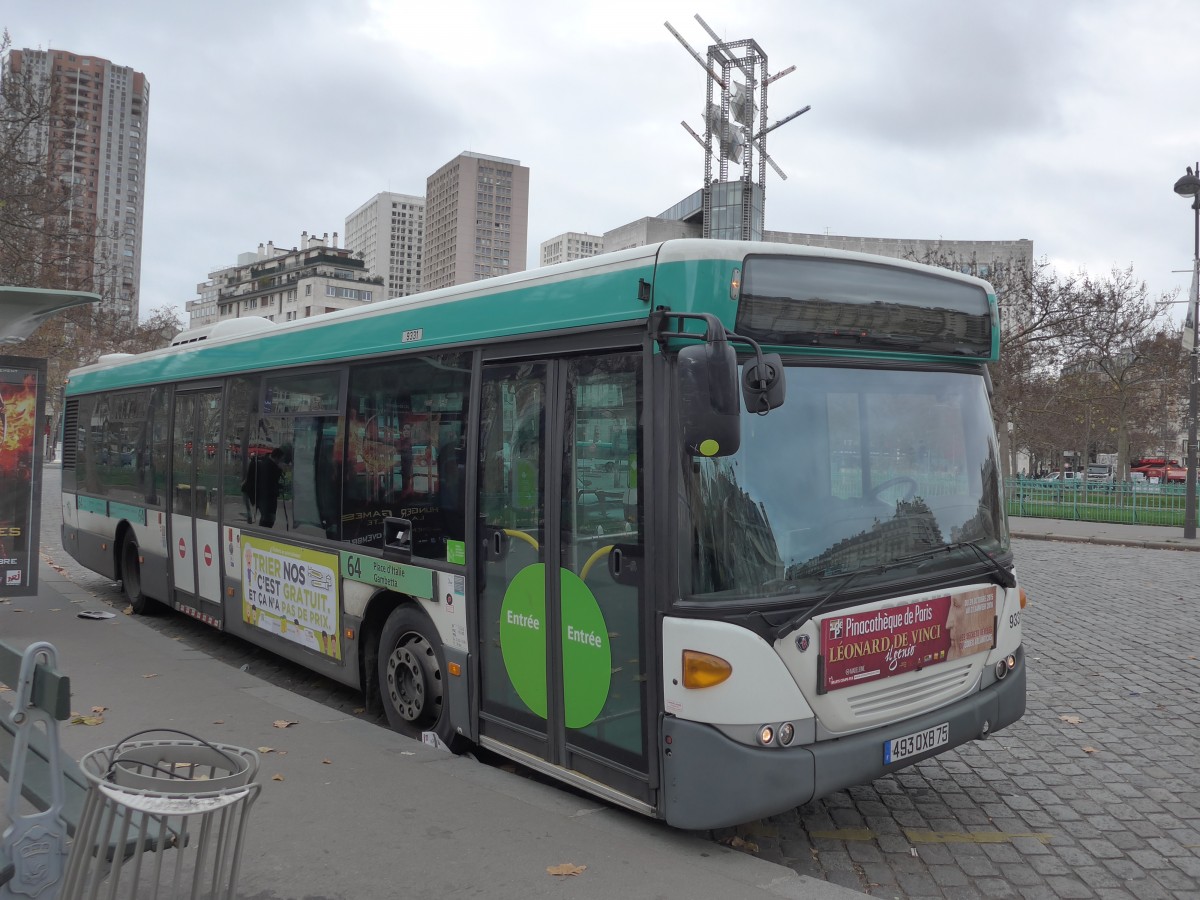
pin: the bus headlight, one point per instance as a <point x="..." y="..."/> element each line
<point x="787" y="731"/>
<point x="1005" y="666"/>
<point x="766" y="734"/>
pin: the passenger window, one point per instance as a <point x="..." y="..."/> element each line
<point x="403" y="457"/>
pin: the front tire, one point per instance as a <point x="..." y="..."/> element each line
<point x="131" y="578"/>
<point x="412" y="677"/>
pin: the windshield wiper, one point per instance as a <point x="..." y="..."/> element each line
<point x="798" y="622"/>
<point x="1005" y="577"/>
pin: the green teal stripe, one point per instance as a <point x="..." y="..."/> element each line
<point x="609" y="298"/>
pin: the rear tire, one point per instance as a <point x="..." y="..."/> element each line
<point x="131" y="578"/>
<point x="412" y="677"/>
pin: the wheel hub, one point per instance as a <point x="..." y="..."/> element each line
<point x="411" y="676"/>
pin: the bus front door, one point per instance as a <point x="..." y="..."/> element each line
<point x="562" y="616"/>
<point x="194" y="540"/>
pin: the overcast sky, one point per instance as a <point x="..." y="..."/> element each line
<point x="1066" y="122"/>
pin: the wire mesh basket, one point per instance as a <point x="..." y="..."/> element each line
<point x="162" y="819"/>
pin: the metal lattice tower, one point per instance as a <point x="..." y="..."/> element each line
<point x="735" y="134"/>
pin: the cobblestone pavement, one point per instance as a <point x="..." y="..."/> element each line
<point x="1094" y="794"/>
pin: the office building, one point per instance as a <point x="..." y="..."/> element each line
<point x="568" y="246"/>
<point x="96" y="142"/>
<point x="476" y="220"/>
<point x="388" y="233"/>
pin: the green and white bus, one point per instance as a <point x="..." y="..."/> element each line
<point x="706" y="528"/>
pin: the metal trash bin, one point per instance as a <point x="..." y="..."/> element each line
<point x="162" y="819"/>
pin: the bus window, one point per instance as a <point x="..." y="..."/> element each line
<point x="405" y="437"/>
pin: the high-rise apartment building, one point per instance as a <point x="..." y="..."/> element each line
<point x="568" y="246"/>
<point x="96" y="142"/>
<point x="389" y="233"/>
<point x="476" y="220"/>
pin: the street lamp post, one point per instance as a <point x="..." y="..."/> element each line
<point x="1189" y="186"/>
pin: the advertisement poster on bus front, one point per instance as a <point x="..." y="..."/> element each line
<point x="863" y="647"/>
<point x="22" y="408"/>
<point x="292" y="592"/>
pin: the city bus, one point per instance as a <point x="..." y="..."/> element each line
<point x="708" y="529"/>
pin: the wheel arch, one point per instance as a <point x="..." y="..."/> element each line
<point x="379" y="607"/>
<point x="124" y="532"/>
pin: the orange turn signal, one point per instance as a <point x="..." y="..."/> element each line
<point x="455" y="668"/>
<point x="1024" y="599"/>
<point x="702" y="670"/>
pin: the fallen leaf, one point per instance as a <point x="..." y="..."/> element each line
<point x="277" y="777"/>
<point x="266" y="749"/>
<point x="98" y="710"/>
<point x="1090" y="750"/>
<point x="151" y="675"/>
<point x="566" y="869"/>
<point x="327" y="762"/>
<point x="359" y="710"/>
<point x="128" y="610"/>
<point x="281" y="753"/>
<point x="284" y="723"/>
<point x="739" y="843"/>
<point x="1072" y="720"/>
<point x="87" y="720"/>
<point x="219" y="722"/>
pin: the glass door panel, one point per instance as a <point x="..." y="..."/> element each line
<point x="604" y="673"/>
<point x="513" y="617"/>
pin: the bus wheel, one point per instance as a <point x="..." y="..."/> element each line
<point x="131" y="577"/>
<point x="412" y="676"/>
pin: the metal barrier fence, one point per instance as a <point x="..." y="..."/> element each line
<point x="1130" y="503"/>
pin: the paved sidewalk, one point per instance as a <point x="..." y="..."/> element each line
<point x="352" y="810"/>
<point x="1159" y="537"/>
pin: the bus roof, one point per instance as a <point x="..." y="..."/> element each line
<point x="600" y="290"/>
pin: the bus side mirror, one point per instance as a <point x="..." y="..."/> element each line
<point x="763" y="390"/>
<point x="710" y="412"/>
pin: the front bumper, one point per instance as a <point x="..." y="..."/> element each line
<point x="710" y="781"/>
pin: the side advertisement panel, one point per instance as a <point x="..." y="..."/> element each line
<point x="22" y="410"/>
<point x="292" y="592"/>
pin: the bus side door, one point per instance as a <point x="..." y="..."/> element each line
<point x="194" y="539"/>
<point x="562" y="615"/>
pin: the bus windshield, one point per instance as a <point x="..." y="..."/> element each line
<point x="859" y="469"/>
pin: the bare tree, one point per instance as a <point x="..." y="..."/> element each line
<point x="1121" y="345"/>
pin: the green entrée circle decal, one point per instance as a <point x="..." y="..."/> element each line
<point x="587" y="655"/>
<point x="586" y="652"/>
<point x="709" y="447"/>
<point x="523" y="636"/>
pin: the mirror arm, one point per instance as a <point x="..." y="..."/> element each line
<point x="659" y="323"/>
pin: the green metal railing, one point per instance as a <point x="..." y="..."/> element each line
<point x="1120" y="502"/>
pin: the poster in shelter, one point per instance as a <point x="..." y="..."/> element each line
<point x="22" y="418"/>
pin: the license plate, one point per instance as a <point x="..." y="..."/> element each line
<point x="911" y="744"/>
